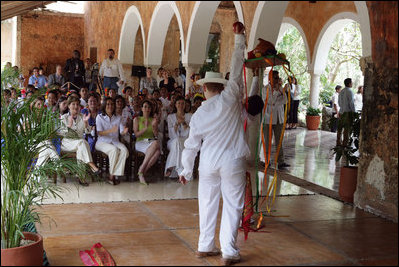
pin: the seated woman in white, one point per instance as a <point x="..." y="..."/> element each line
<point x="145" y="129"/>
<point x="178" y="127"/>
<point x="78" y="123"/>
<point x="109" y="126"/>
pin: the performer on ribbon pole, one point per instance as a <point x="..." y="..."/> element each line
<point x="217" y="129"/>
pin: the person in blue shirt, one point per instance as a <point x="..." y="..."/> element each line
<point x="37" y="80"/>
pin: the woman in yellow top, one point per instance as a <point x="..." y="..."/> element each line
<point x="145" y="129"/>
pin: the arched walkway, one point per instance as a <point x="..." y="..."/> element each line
<point x="267" y="21"/>
<point x="287" y="23"/>
<point x="326" y="37"/>
<point x="322" y="48"/>
<point x="131" y="24"/>
<point x="198" y="29"/>
<point x="160" y="20"/>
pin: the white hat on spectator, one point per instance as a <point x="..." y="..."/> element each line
<point x="212" y="77"/>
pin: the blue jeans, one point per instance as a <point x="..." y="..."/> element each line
<point x="110" y="82"/>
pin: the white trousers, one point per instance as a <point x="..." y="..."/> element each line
<point x="175" y="147"/>
<point x="228" y="179"/>
<point x="47" y="151"/>
<point x="117" y="154"/>
<point x="80" y="146"/>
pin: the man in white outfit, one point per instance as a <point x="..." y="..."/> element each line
<point x="217" y="129"/>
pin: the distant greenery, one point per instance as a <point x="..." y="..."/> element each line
<point x="213" y="54"/>
<point x="293" y="47"/>
<point x="342" y="62"/>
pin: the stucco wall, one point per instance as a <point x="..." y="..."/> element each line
<point x="49" y="39"/>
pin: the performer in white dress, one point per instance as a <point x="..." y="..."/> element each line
<point x="217" y="129"/>
<point x="178" y="128"/>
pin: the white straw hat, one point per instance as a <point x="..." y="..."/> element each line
<point x="212" y="77"/>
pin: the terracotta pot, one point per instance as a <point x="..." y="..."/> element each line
<point x="347" y="183"/>
<point x="30" y="255"/>
<point x="312" y="122"/>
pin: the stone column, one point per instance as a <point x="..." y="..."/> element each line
<point x="314" y="89"/>
<point x="190" y="69"/>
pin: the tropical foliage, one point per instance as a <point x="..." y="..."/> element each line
<point x="313" y="111"/>
<point x="9" y="78"/>
<point x="24" y="133"/>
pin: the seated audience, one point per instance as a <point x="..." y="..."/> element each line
<point x="57" y="77"/>
<point x="38" y="81"/>
<point x="92" y="109"/>
<point x="128" y="94"/>
<point x="62" y="105"/>
<point x="109" y="127"/>
<point x="84" y="96"/>
<point x="167" y="81"/>
<point x="178" y="128"/>
<point x="145" y="129"/>
<point x="148" y="82"/>
<point x="47" y="150"/>
<point x="77" y="122"/>
<point x="52" y="101"/>
<point x="112" y="93"/>
<point x="197" y="102"/>
<point x="187" y="107"/>
<point x="195" y="88"/>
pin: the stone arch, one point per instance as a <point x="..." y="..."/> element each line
<point x="364" y="21"/>
<point x="326" y="37"/>
<point x="268" y="13"/>
<point x="198" y="29"/>
<point x="288" y="21"/>
<point x="160" y="20"/>
<point x="132" y="22"/>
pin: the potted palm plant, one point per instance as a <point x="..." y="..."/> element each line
<point x="23" y="185"/>
<point x="312" y="118"/>
<point x="349" y="121"/>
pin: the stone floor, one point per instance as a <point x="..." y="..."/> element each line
<point x="304" y="230"/>
<point x="158" y="224"/>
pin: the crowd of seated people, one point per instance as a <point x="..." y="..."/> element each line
<point x="158" y="116"/>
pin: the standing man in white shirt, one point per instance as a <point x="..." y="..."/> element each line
<point x="217" y="129"/>
<point x="111" y="71"/>
<point x="347" y="106"/>
<point x="335" y="108"/>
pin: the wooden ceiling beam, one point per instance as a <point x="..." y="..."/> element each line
<point x="9" y="10"/>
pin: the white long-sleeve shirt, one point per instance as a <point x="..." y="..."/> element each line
<point x="345" y="101"/>
<point x="275" y="103"/>
<point x="218" y="124"/>
<point x="112" y="68"/>
<point x="181" y="130"/>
